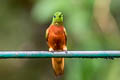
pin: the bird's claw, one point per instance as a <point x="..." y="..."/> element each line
<point x="66" y="51"/>
<point x="51" y="50"/>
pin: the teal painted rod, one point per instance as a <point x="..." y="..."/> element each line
<point x="68" y="54"/>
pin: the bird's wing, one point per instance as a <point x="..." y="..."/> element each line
<point x="65" y="34"/>
<point x="47" y="33"/>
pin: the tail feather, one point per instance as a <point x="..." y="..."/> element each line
<point x="58" y="66"/>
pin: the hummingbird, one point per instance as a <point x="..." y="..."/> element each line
<point x="57" y="41"/>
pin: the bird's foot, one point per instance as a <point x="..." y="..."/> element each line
<point x="51" y="50"/>
<point x="65" y="49"/>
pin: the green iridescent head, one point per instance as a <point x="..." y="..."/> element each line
<point x="57" y="18"/>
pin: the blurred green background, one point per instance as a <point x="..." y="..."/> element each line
<point x="90" y="25"/>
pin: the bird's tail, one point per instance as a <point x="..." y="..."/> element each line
<point x="58" y="65"/>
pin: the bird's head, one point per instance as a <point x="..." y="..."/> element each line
<point x="57" y="18"/>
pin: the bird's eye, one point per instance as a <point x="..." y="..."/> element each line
<point x="54" y="16"/>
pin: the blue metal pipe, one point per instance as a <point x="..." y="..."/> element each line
<point x="68" y="54"/>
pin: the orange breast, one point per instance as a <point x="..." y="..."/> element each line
<point x="56" y="37"/>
